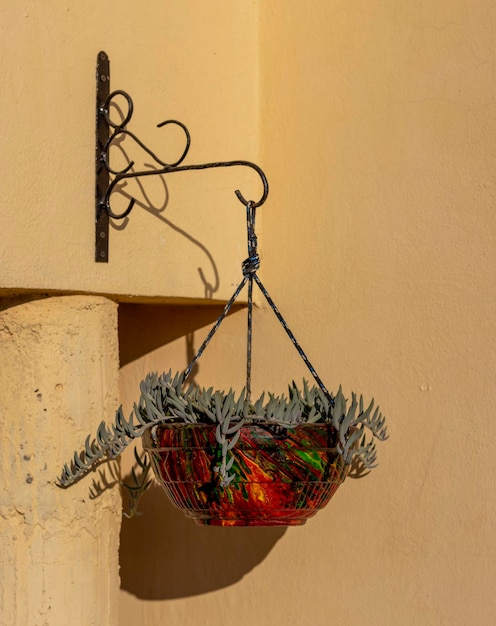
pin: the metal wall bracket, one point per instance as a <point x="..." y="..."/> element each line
<point x="107" y="131"/>
<point x="102" y="173"/>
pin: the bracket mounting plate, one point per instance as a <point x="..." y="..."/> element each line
<point x="102" y="174"/>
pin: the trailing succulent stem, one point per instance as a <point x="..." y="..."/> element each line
<point x="165" y="398"/>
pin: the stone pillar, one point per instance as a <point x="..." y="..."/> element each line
<point x="58" y="380"/>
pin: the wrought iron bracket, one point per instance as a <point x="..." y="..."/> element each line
<point x="107" y="131"/>
<point x="102" y="173"/>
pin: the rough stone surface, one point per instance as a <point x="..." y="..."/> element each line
<point x="58" y="380"/>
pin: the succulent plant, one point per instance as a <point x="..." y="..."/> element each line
<point x="166" y="398"/>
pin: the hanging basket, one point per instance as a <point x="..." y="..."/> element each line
<point x="279" y="478"/>
<point x="225" y="461"/>
<point x="234" y="462"/>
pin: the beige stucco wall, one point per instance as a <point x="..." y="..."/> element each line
<point x="374" y="122"/>
<point x="377" y="127"/>
<point x="191" y="61"/>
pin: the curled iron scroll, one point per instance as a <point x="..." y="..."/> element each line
<point x="164" y="167"/>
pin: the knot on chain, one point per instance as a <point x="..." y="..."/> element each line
<point x="251" y="264"/>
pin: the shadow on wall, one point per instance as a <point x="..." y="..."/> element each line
<point x="155" y="208"/>
<point x="164" y="323"/>
<point x="164" y="555"/>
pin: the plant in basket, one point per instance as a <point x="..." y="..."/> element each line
<point x="224" y="460"/>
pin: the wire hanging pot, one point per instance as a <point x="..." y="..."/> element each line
<point x="276" y="480"/>
<point x="229" y="461"/>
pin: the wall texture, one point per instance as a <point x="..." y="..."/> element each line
<point x="167" y="58"/>
<point x="387" y="124"/>
<point x="377" y="126"/>
<point x="374" y="122"/>
<point x="58" y="379"/>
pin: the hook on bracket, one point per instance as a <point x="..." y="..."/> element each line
<point x="108" y="131"/>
